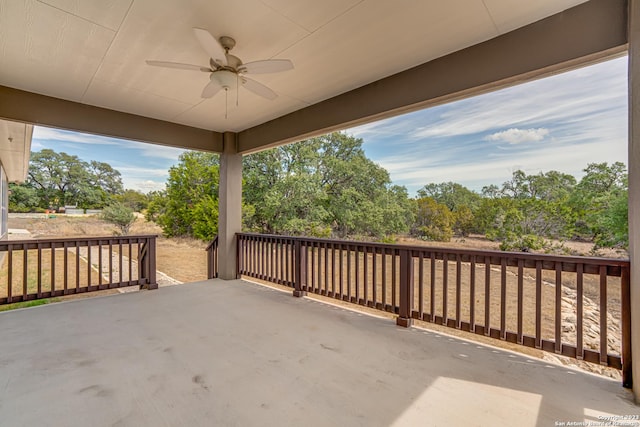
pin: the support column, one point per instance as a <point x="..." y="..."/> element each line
<point x="229" y="207"/>
<point x="634" y="187"/>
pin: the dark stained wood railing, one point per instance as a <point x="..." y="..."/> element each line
<point x="45" y="268"/>
<point x="212" y="259"/>
<point x="574" y="306"/>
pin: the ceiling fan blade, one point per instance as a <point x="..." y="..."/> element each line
<point x="211" y="89"/>
<point x="179" y="66"/>
<point x="267" y="66"/>
<point x="211" y="45"/>
<point x="259" y="89"/>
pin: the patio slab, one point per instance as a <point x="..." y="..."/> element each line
<point x="236" y="353"/>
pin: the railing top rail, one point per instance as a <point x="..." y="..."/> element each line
<point x="454" y="251"/>
<point x="5" y="243"/>
<point x="213" y="242"/>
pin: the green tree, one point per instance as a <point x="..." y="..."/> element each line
<point x="60" y="179"/>
<point x="451" y="194"/>
<point x="22" y="198"/>
<point x="133" y="199"/>
<point x="191" y="193"/>
<point x="433" y="220"/>
<point x="119" y="215"/>
<point x="323" y="186"/>
<point x="598" y="201"/>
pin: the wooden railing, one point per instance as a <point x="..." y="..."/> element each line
<point x="212" y="259"/>
<point x="574" y="306"/>
<point x="45" y="268"/>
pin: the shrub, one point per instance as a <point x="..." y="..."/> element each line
<point x="521" y="243"/>
<point x="119" y="215"/>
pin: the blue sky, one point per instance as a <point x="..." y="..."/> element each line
<point x="558" y="123"/>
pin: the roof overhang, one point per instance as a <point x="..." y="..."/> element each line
<point x="15" y="146"/>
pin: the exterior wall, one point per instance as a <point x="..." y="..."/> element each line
<point x="4" y="204"/>
<point x="634" y="188"/>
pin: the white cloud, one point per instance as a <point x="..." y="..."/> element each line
<point x="143" y="185"/>
<point x="135" y="171"/>
<point x="560" y="98"/>
<point x="517" y="136"/>
<point x="50" y="134"/>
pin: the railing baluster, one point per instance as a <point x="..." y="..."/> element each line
<point x="326" y="268"/>
<point x="393" y="278"/>
<point x="374" y="281"/>
<point x="66" y="268"/>
<point x="384" y="278"/>
<point x="77" y="266"/>
<point x="100" y="263"/>
<point x="366" y="274"/>
<point x="88" y="264"/>
<point x="333" y="270"/>
<point x="39" y="295"/>
<point x="458" y="290"/>
<point x="445" y="288"/>
<point x="520" y="298"/>
<point x="120" y="265"/>
<point x="130" y="263"/>
<point x="53" y="270"/>
<point x="538" y="343"/>
<point x="10" y="274"/>
<point x="421" y="284"/>
<point x="273" y="254"/>
<point x="358" y="279"/>
<point x="604" y="347"/>
<point x="432" y="288"/>
<point x="348" y="272"/>
<point x="25" y="277"/>
<point x="111" y="262"/>
<point x="320" y="285"/>
<point x="341" y="275"/>
<point x="487" y="295"/>
<point x="558" y="309"/>
<point x="472" y="294"/>
<point x="313" y="268"/>
<point x="579" y="312"/>
<point x="503" y="298"/>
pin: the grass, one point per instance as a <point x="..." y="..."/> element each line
<point x="26" y="304"/>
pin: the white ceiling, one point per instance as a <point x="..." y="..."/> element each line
<point x="94" y="51"/>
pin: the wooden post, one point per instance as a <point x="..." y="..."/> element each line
<point x="300" y="268"/>
<point x="149" y="267"/>
<point x="406" y="289"/>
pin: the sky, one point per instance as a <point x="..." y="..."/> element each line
<point x="562" y="123"/>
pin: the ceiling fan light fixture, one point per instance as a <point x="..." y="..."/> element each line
<point x="225" y="78"/>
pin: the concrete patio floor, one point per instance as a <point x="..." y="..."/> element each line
<point x="236" y="353"/>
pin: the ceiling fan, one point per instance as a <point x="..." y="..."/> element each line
<point x="227" y="71"/>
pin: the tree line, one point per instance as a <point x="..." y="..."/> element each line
<point x="56" y="180"/>
<point x="326" y="186"/>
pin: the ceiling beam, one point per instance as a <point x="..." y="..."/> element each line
<point x="28" y="107"/>
<point x="584" y="34"/>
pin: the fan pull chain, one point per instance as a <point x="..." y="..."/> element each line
<point x="237" y="89"/>
<point x="226" y="102"/>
